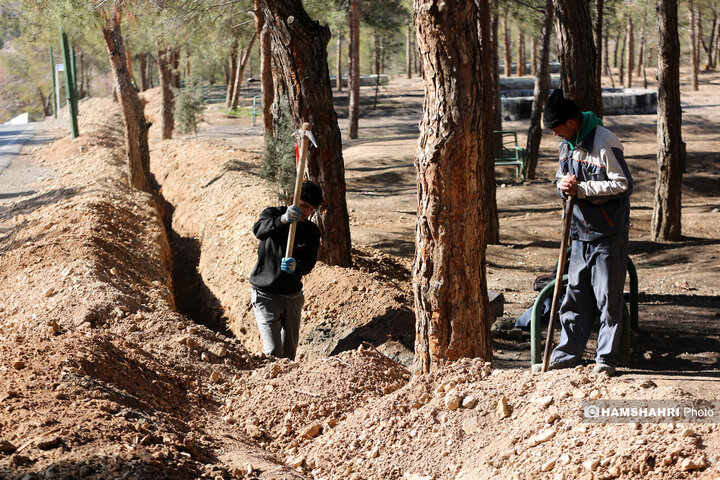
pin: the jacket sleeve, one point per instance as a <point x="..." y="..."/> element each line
<point x="617" y="182"/>
<point x="305" y="262"/>
<point x="562" y="168"/>
<point x="268" y="223"/>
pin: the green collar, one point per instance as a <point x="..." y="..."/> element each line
<point x="589" y="122"/>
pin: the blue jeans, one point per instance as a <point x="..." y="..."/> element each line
<point x="596" y="278"/>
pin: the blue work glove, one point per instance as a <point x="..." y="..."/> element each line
<point x="288" y="265"/>
<point x="292" y="214"/>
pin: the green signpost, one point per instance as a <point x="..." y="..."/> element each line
<point x="70" y="84"/>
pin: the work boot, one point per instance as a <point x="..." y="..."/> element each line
<point x="604" y="368"/>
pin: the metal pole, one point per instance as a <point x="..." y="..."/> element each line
<point x="57" y="88"/>
<point x="54" y="83"/>
<point x="74" y="84"/>
<point x="69" y="83"/>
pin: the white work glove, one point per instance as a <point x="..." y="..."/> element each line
<point x="292" y="214"/>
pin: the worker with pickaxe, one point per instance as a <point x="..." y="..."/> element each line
<point x="288" y="249"/>
<point x="594" y="177"/>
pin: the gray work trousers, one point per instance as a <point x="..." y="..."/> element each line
<point x="596" y="277"/>
<point x="278" y="319"/>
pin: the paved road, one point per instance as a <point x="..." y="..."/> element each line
<point x="19" y="172"/>
<point x="12" y="138"/>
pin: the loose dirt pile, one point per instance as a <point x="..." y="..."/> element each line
<point x="102" y="378"/>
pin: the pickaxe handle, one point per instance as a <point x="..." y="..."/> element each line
<point x="558" y="282"/>
<point x="304" y="144"/>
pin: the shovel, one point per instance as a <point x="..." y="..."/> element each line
<point x="305" y="136"/>
<point x="558" y="282"/>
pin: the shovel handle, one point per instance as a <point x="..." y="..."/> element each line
<point x="562" y="258"/>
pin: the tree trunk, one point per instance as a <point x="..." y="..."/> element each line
<point x="449" y="280"/>
<point x="338" y="79"/>
<point x="495" y="65"/>
<point x="136" y="129"/>
<point x="641" y="56"/>
<point x="376" y="53"/>
<point x="150" y="73"/>
<point x="508" y="46"/>
<point x="521" y="54"/>
<point x="615" y="50"/>
<point x="143" y="72"/>
<point x="43" y="101"/>
<point x="666" y="217"/>
<point x="484" y="29"/>
<point x="408" y="50"/>
<point x="232" y="70"/>
<point x="577" y="54"/>
<point x="81" y="94"/>
<point x="168" y="97"/>
<point x="354" y="72"/>
<point x="608" y="70"/>
<point x="265" y="67"/>
<point x="533" y="62"/>
<point x="693" y="46"/>
<point x="630" y="52"/>
<point x="175" y="71"/>
<point x="299" y="49"/>
<point x="241" y="70"/>
<point x="598" y="29"/>
<point x="621" y="73"/>
<point x="542" y="90"/>
<point x="710" y="45"/>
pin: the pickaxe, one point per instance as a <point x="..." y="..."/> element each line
<point x="304" y="136"/>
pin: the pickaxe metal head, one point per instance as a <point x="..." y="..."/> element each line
<point x="306" y="133"/>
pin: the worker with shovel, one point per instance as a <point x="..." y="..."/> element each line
<point x="593" y="172"/>
<point x="277" y="296"/>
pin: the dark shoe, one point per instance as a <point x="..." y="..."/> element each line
<point x="604" y="368"/>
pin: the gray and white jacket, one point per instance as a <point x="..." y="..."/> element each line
<point x="604" y="185"/>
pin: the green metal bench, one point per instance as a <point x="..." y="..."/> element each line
<point x="629" y="320"/>
<point x="507" y="151"/>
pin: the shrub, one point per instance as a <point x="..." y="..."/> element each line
<point x="278" y="161"/>
<point x="189" y="106"/>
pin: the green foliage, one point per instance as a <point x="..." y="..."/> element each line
<point x="278" y="161"/>
<point x="189" y="106"/>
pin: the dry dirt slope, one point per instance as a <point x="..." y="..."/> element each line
<point x="101" y="379"/>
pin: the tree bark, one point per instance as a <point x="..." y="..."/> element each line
<point x="354" y="71"/>
<point x="577" y="54"/>
<point x="175" y="71"/>
<point x="241" y="70"/>
<point x="168" y="96"/>
<point x="408" y="50"/>
<point x="232" y="70"/>
<point x="143" y="72"/>
<point x="299" y="49"/>
<point x="376" y="53"/>
<point x="136" y="129"/>
<point x="449" y="280"/>
<point x="533" y="62"/>
<point x="495" y="65"/>
<point x="265" y="67"/>
<point x="693" y="46"/>
<point x="621" y="72"/>
<point x="666" y="219"/>
<point x="81" y="94"/>
<point x="338" y="78"/>
<point x="540" y="95"/>
<point x="521" y="54"/>
<point x="508" y="46"/>
<point x="608" y="70"/>
<point x="630" y="52"/>
<point x="598" y="31"/>
<point x="710" y="45"/>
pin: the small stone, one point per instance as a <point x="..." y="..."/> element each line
<point x="204" y="357"/>
<point x="113" y="271"/>
<point x="416" y="476"/>
<point x="543" y="401"/>
<point x="19" y="365"/>
<point x="192" y="343"/>
<point x="470" y="425"/>
<point x="453" y="402"/>
<point x="591" y="464"/>
<point x="215" y="377"/>
<point x="374" y="452"/>
<point x="648" y="384"/>
<point x="552" y="417"/>
<point x="49" y="443"/>
<point x="549" y="465"/>
<point x="506" y="454"/>
<point x="295" y="462"/>
<point x="20" y="460"/>
<point x="50" y="292"/>
<point x="595" y="394"/>
<point x="311" y="431"/>
<point x="502" y="410"/>
<point x="578" y="394"/>
<point x="614" y="471"/>
<point x="694" y="463"/>
<point x="469" y="401"/>
<point x="7" y="447"/>
<point x="564" y="459"/>
<point x="688" y="432"/>
<point x="542" y="437"/>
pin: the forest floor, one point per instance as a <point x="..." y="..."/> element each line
<point x="110" y="370"/>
